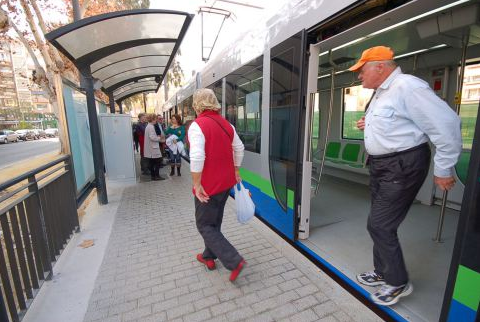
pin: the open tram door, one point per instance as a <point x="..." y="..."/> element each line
<point x="438" y="42"/>
<point x="287" y="61"/>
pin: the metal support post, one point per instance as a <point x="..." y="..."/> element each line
<point x="120" y="106"/>
<point x="144" y="102"/>
<point x="98" y="161"/>
<point x="112" y="102"/>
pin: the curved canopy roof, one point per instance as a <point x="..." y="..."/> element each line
<point x="128" y="51"/>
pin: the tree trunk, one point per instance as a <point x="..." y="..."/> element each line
<point x="59" y="108"/>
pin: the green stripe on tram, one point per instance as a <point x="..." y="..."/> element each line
<point x="467" y="287"/>
<point x="255" y="179"/>
<point x="264" y="185"/>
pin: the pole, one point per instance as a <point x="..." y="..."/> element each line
<point x="144" y="102"/>
<point x="98" y="161"/>
<point x="441" y="218"/>
<point x="112" y="102"/>
<point x="120" y="106"/>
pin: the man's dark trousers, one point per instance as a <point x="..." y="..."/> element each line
<point x="395" y="180"/>
<point x="209" y="218"/>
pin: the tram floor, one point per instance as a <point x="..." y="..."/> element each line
<point x="338" y="233"/>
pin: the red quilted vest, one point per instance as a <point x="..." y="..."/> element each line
<point x="218" y="170"/>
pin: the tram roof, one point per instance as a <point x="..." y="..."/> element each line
<point x="129" y="51"/>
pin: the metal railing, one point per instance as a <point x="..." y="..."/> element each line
<point x="38" y="215"/>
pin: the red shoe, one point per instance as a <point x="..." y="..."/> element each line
<point x="210" y="263"/>
<point x="236" y="271"/>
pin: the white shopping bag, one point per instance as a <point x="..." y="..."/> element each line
<point x="245" y="205"/>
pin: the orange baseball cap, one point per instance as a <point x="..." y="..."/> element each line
<point x="373" y="54"/>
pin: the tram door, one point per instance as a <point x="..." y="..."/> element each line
<point x="286" y="100"/>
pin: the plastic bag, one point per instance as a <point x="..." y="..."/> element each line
<point x="244" y="203"/>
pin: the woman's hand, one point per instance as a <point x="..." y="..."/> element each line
<point x="201" y="194"/>
<point x="237" y="175"/>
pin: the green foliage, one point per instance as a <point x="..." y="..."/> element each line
<point x="23" y="125"/>
<point x="468" y="115"/>
<point x="350" y="130"/>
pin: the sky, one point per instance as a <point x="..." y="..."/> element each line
<point x="242" y="19"/>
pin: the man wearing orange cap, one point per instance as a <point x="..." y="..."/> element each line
<point x="402" y="116"/>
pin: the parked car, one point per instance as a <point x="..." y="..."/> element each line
<point x="39" y="133"/>
<point x="8" y="136"/>
<point x="51" y="132"/>
<point x="25" y="135"/>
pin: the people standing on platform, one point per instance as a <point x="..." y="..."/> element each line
<point x="136" y="143"/>
<point x="402" y="116"/>
<point x="176" y="128"/>
<point x="152" y="148"/>
<point x="216" y="153"/>
<point x="161" y="127"/>
<point x="159" y="131"/>
<point x="140" y="130"/>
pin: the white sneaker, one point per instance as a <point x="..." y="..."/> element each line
<point x="389" y="295"/>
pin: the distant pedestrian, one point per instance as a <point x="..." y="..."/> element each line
<point x="178" y="130"/>
<point x="140" y="130"/>
<point x="216" y="153"/>
<point x="152" y="148"/>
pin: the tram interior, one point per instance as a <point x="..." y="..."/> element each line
<point x="340" y="198"/>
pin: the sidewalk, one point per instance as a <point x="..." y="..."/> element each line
<point x="149" y="271"/>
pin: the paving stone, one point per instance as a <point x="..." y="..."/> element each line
<point x="304" y="316"/>
<point x="198" y="316"/>
<point x="325" y="309"/>
<point x="179" y="311"/>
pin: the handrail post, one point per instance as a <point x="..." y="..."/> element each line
<point x="33" y="187"/>
<point x="69" y="169"/>
<point x="3" y="309"/>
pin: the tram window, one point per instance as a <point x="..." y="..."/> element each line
<point x="244" y="102"/>
<point x="469" y="104"/>
<point x="217" y="89"/>
<point x="355" y="98"/>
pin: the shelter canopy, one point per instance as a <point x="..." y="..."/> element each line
<point x="128" y="51"/>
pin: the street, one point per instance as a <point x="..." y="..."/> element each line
<point x="14" y="152"/>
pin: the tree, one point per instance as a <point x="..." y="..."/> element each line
<point x="48" y="78"/>
<point x="174" y="77"/>
<point x="26" y="19"/>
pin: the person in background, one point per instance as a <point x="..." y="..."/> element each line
<point x="136" y="143"/>
<point x="216" y="153"/>
<point x="160" y="127"/>
<point x="159" y="131"/>
<point x="152" y="147"/>
<point x="140" y="130"/>
<point x="402" y="116"/>
<point x="176" y="128"/>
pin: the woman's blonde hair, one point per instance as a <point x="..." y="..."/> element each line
<point x="150" y="117"/>
<point x="204" y="99"/>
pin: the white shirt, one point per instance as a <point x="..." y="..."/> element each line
<point x="404" y="113"/>
<point x="197" y="148"/>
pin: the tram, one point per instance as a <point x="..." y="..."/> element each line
<point x="286" y="87"/>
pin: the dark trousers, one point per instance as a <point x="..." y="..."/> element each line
<point x="154" y="167"/>
<point x="144" y="164"/>
<point x="209" y="218"/>
<point x="394" y="182"/>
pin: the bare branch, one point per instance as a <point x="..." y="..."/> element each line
<point x="38" y="68"/>
<point x="83" y="8"/>
<point x="53" y="51"/>
<point x="38" y="39"/>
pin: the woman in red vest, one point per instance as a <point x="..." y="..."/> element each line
<point x="216" y="153"/>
